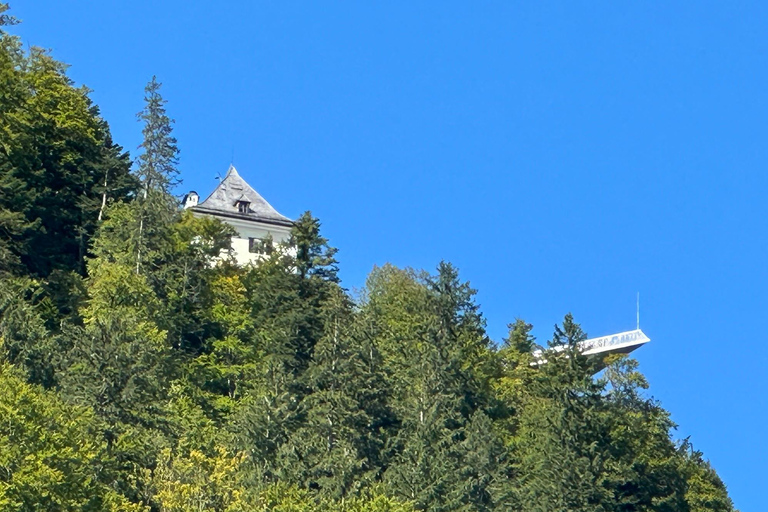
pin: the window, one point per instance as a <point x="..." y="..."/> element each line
<point x="261" y="246"/>
<point x="243" y="206"/>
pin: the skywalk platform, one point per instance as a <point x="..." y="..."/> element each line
<point x="620" y="343"/>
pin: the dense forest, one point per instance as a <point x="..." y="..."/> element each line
<point x="142" y="370"/>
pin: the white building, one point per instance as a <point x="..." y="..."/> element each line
<point x="235" y="202"/>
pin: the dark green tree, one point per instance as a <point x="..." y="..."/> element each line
<point x="438" y="363"/>
<point x="157" y="174"/>
<point x="333" y="449"/>
<point x="25" y="338"/>
<point x="314" y="257"/>
<point x="56" y="155"/>
<point x="558" y="449"/>
<point x="582" y="443"/>
<point x="288" y="294"/>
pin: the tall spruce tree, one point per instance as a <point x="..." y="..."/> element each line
<point x="587" y="444"/>
<point x="157" y="174"/>
<point x="559" y="453"/>
<point x="330" y="450"/>
<point x="435" y="352"/>
<point x="288" y="292"/>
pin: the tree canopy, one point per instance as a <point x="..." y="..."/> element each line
<point x="141" y="369"/>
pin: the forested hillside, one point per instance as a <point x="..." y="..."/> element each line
<point x="141" y="370"/>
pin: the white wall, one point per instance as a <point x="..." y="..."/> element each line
<point x="240" y="243"/>
<point x="250" y="229"/>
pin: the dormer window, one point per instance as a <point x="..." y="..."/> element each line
<point x="243" y="206"/>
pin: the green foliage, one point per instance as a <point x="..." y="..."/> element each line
<point x="704" y="490"/>
<point x="195" y="481"/>
<point x="115" y="362"/>
<point x="313" y="256"/>
<point x="157" y="175"/>
<point x="50" y="455"/>
<point x="289" y="294"/>
<point x="25" y="339"/>
<point x="157" y="164"/>
<point x="58" y="164"/>
<point x="585" y="444"/>
<point x="331" y="449"/>
<point x="436" y="359"/>
<point x="6" y="19"/>
<point x="284" y="498"/>
<point x="142" y="369"/>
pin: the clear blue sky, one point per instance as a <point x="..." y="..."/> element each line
<point x="563" y="155"/>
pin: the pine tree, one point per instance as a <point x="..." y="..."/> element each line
<point x="314" y="257"/>
<point x="586" y="444"/>
<point x="118" y="361"/>
<point x="329" y="451"/>
<point x="288" y="293"/>
<point x="557" y="462"/>
<point x="516" y="365"/>
<point x="436" y="354"/>
<point x="156" y="172"/>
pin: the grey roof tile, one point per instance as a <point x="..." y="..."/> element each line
<point x="233" y="189"/>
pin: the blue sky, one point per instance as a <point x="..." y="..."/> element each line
<point x="564" y="155"/>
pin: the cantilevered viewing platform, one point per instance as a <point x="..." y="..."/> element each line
<point x="620" y="343"/>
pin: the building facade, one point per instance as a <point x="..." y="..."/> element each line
<point x="236" y="203"/>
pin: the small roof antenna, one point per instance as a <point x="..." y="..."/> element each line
<point x="638" y="311"/>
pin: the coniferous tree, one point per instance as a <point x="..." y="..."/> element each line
<point x="57" y="153"/>
<point x="516" y="370"/>
<point x="558" y="464"/>
<point x="329" y="451"/>
<point x="433" y="341"/>
<point x="157" y="175"/>
<point x="288" y="291"/>
<point x="181" y="381"/>
<point x="586" y="444"/>
<point x="25" y="338"/>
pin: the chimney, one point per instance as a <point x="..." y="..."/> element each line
<point x="190" y="199"/>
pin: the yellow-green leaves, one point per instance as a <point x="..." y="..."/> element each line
<point x="51" y="457"/>
<point x="199" y="482"/>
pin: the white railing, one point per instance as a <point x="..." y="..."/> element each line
<point x="623" y="342"/>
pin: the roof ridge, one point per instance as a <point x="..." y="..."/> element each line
<point x="233" y="189"/>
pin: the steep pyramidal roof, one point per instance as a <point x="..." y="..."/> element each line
<point x="231" y="192"/>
